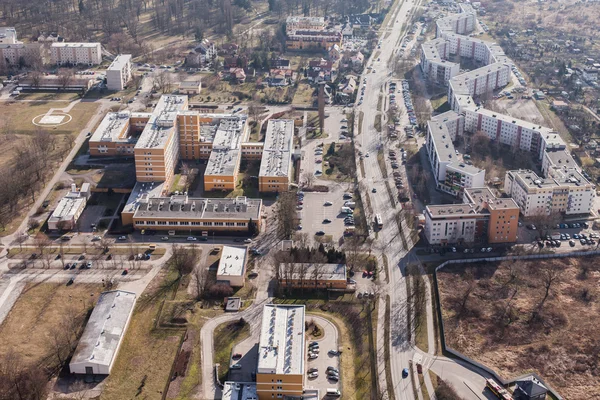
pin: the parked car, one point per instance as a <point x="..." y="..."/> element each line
<point x="405" y="372"/>
<point x="236" y="366"/>
<point x="191" y="239"/>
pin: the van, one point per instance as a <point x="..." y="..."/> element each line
<point x="333" y="392"/>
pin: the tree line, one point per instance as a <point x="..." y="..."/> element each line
<point x="26" y="172"/>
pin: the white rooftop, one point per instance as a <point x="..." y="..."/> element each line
<point x="239" y="391"/>
<point x="105" y="328"/>
<point x="76" y="44"/>
<point x="162" y="122"/>
<point x="232" y="262"/>
<point x="227" y="143"/>
<point x="277" y="150"/>
<point x="326" y="272"/>
<point x="69" y="205"/>
<point x="281" y="346"/>
<point x="119" y="62"/>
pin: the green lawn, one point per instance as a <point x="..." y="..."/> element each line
<point x="225" y="337"/>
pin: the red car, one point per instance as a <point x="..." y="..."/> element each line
<point x="236" y="356"/>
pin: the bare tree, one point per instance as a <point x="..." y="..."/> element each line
<point x="184" y="259"/>
<point x="550" y="274"/>
<point x="199" y="280"/>
<point x="163" y="82"/>
<point x="308" y="178"/>
<point x="255" y="112"/>
<point x="65" y="77"/>
<point x="286" y="214"/>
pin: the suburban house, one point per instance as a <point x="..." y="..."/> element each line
<point x="347" y="87"/>
<point x="229" y="49"/>
<point x="235" y="62"/>
<point x="280" y="77"/>
<point x="530" y="388"/>
<point x="280" y="63"/>
<point x="357" y="61"/>
<point x="236" y="74"/>
<point x="321" y="71"/>
<point x="203" y="53"/>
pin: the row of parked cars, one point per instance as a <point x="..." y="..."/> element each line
<point x="412" y="117"/>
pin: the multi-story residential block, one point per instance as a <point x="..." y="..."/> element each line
<point x="312" y="276"/>
<point x="313" y="40"/>
<point x="69" y="208"/>
<point x="295" y="23"/>
<point x="477" y="82"/>
<point x="8" y="35"/>
<point x="20" y="53"/>
<point x="280" y="371"/>
<point x="434" y="64"/>
<point x="462" y="23"/>
<point x="76" y="53"/>
<point x="482" y="218"/>
<point x="452" y="174"/>
<point x="118" y="133"/>
<point x="119" y="72"/>
<point x="566" y="192"/>
<point x="454" y="122"/>
<point x="157" y="149"/>
<point x="275" y="172"/>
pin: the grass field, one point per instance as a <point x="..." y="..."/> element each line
<point x="225" y="337"/>
<point x="41" y="311"/>
<point x="48" y="96"/>
<point x="518" y="317"/>
<point x="303" y="95"/>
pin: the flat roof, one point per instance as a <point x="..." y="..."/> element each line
<point x="233" y="261"/>
<point x="571" y="177"/>
<point x="113" y="128"/>
<point x="442" y="141"/>
<point x="325" y="272"/>
<point x="446" y="117"/>
<point x="298" y="18"/>
<point x="449" y="23"/>
<point x="142" y="191"/>
<point x="457" y="210"/>
<point x="162" y="122"/>
<point x="485" y="195"/>
<point x="67" y="207"/>
<point x="561" y="158"/>
<point x="239" y="391"/>
<point x="277" y="151"/>
<point x="105" y="328"/>
<point x="75" y="44"/>
<point x="227" y="143"/>
<point x="119" y="62"/>
<point x="190" y="84"/>
<point x="281" y="346"/>
<point x="513" y="120"/>
<point x="184" y="207"/>
<point x="470" y="75"/>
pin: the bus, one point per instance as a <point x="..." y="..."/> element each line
<point x="378" y="221"/>
<point x="498" y="390"/>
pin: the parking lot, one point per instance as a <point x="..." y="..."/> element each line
<point x="315" y="214"/>
<point x="248" y="360"/>
<point x="329" y="341"/>
<point x="571" y="235"/>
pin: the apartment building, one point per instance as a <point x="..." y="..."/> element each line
<point x="454" y="122"/>
<point x="118" y="133"/>
<point x="434" y="62"/>
<point x="313" y="40"/>
<point x="452" y="174"/>
<point x="478" y="81"/>
<point x="119" y="72"/>
<point x="15" y="53"/>
<point x="463" y="23"/>
<point x="8" y="35"/>
<point x="157" y="149"/>
<point x="567" y="192"/>
<point x="62" y="53"/>
<point x="313" y="276"/>
<point x="275" y="172"/>
<point x="482" y="218"/>
<point x="69" y="208"/>
<point x="280" y="371"/>
<point x="295" y="23"/>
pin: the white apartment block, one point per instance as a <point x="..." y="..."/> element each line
<point x="13" y="54"/>
<point x="119" y="72"/>
<point x="462" y="23"/>
<point x="452" y="175"/>
<point x="76" y="53"/>
<point x="434" y="65"/>
<point x="8" y="35"/>
<point x="454" y="122"/>
<point x="479" y="81"/>
<point x="569" y="192"/>
<point x="450" y="223"/>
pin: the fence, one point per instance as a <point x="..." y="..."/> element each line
<point x="495" y="259"/>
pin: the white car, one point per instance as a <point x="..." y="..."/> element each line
<point x="312" y="356"/>
<point x="122" y="237"/>
<point x="191" y="239"/>
<point x="248" y="241"/>
<point x="313" y="375"/>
